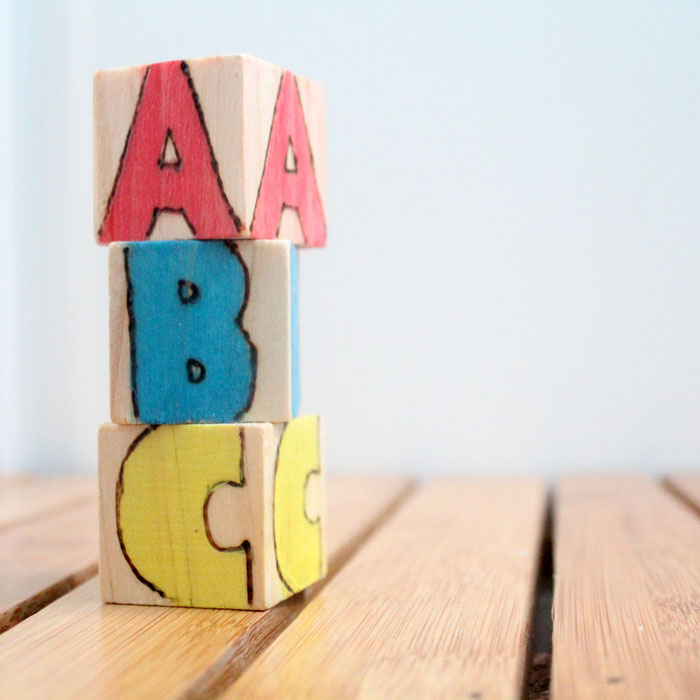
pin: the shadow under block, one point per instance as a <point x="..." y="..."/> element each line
<point x="215" y="516"/>
<point x="203" y="331"/>
<point x="223" y="147"/>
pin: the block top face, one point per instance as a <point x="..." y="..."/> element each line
<point x="225" y="147"/>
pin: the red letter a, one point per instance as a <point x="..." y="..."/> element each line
<point x="284" y="186"/>
<point x="168" y="118"/>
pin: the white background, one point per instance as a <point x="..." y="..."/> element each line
<point x="512" y="277"/>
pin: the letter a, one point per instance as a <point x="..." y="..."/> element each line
<point x="146" y="184"/>
<point x="284" y="186"/>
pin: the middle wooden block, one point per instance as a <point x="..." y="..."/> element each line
<point x="203" y="331"/>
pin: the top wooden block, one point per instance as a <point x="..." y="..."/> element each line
<point x="222" y="147"/>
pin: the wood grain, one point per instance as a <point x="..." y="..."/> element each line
<point x="243" y="547"/>
<point x="248" y="112"/>
<point x="144" y="306"/>
<point x="627" y="592"/>
<point x="45" y="558"/>
<point x="686" y="487"/>
<point x="24" y="500"/>
<point x="78" y="647"/>
<point x="437" y="604"/>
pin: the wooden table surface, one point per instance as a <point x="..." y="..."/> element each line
<point x="436" y="590"/>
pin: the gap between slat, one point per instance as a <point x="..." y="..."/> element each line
<point x="540" y="657"/>
<point x="541" y="660"/>
<point x="677" y="490"/>
<point x="13" y="616"/>
<point x="44" y="559"/>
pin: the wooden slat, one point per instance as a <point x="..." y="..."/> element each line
<point x="436" y="605"/>
<point x="45" y="558"/>
<point x="78" y="647"/>
<point x="27" y="499"/>
<point x="627" y="592"/>
<point x="687" y="487"/>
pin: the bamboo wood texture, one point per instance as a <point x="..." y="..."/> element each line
<point x="45" y="558"/>
<point x="26" y="499"/>
<point x="627" y="592"/>
<point x="437" y="604"/>
<point x="687" y="487"/>
<point x="77" y="647"/>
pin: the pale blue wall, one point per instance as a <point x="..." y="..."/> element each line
<point x="512" y="280"/>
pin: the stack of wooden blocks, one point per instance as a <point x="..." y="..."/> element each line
<point x="209" y="174"/>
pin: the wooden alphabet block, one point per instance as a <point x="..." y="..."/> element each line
<point x="222" y="516"/>
<point x="203" y="331"/>
<point x="223" y="147"/>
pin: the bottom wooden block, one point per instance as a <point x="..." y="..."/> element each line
<point x="220" y="516"/>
